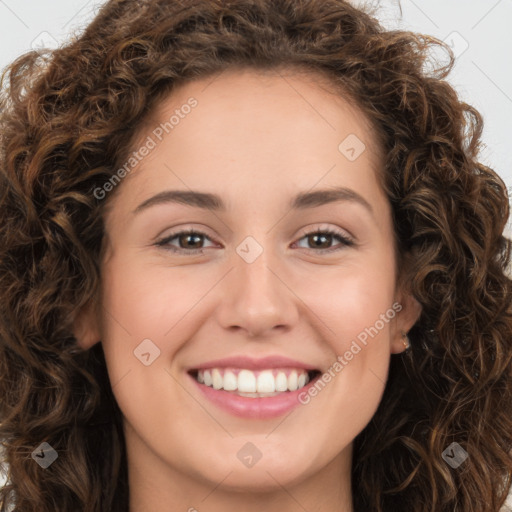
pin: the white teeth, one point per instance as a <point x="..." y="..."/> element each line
<point x="281" y="382"/>
<point x="266" y="382"/>
<point x="292" y="381"/>
<point x="230" y="381"/>
<point x="248" y="383"/>
<point x="217" y="379"/>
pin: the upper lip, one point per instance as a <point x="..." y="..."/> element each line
<point x="251" y="363"/>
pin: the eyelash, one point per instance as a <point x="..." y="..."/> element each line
<point x="347" y="242"/>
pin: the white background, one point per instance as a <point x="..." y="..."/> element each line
<point x="479" y="31"/>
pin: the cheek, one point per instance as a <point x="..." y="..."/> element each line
<point x="350" y="389"/>
<point x="139" y="312"/>
<point x="145" y="309"/>
<point x="361" y="309"/>
<point x="352" y="299"/>
<point x="147" y="300"/>
<point x="148" y="308"/>
<point x="355" y="306"/>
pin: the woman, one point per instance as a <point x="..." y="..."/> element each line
<point x="254" y="369"/>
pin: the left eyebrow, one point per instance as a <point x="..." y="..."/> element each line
<point x="301" y="201"/>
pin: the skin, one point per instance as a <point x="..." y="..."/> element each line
<point x="256" y="140"/>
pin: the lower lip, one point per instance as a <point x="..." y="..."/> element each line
<point x="254" y="408"/>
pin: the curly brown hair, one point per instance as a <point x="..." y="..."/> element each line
<point x="68" y="119"/>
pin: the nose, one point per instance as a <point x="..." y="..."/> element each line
<point x="256" y="299"/>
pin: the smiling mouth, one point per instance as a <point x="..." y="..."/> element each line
<point x="255" y="384"/>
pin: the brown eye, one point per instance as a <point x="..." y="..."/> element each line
<point x="193" y="238"/>
<point x="322" y="239"/>
<point x="189" y="241"/>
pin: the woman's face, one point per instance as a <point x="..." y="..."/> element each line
<point x="253" y="299"/>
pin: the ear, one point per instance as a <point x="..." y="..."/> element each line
<point x="86" y="326"/>
<point x="407" y="316"/>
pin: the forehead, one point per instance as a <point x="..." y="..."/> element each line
<point x="269" y="128"/>
<point x="301" y="102"/>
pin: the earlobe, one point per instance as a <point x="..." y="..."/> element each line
<point x="85" y="328"/>
<point x="407" y="317"/>
<point x="405" y="340"/>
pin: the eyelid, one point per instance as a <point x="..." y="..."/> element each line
<point x="195" y="228"/>
<point x="323" y="227"/>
